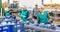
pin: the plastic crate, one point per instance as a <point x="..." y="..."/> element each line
<point x="10" y="28"/>
<point x="1" y="28"/>
<point x="5" y="29"/>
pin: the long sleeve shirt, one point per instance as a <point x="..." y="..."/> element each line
<point x="35" y="11"/>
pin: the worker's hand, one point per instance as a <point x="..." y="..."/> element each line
<point x="50" y="21"/>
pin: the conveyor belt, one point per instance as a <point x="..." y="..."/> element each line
<point x="38" y="28"/>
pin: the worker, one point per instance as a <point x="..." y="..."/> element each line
<point x="24" y="14"/>
<point x="42" y="16"/>
<point x="35" y="10"/>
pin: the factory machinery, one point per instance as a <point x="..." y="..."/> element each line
<point x="55" y="15"/>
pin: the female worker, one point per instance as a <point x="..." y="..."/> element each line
<point x="24" y="14"/>
<point x="42" y="16"/>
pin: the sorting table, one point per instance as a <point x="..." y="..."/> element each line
<point x="42" y="29"/>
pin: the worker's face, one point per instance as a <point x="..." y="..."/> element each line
<point x="41" y="10"/>
<point x="24" y="8"/>
<point x="12" y="13"/>
<point x="36" y="6"/>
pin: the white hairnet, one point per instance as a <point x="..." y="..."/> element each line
<point x="24" y="6"/>
<point x="42" y="7"/>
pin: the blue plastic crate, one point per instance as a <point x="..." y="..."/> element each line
<point x="21" y="24"/>
<point x="15" y="28"/>
<point x="10" y="28"/>
<point x="18" y="26"/>
<point x="1" y="28"/>
<point x="5" y="28"/>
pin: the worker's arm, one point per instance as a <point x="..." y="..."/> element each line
<point x="48" y="16"/>
<point x="27" y="15"/>
<point x="38" y="19"/>
<point x="20" y="13"/>
<point x="33" y="12"/>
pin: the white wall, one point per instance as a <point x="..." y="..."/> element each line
<point x="4" y="1"/>
<point x="30" y="3"/>
<point x="11" y="1"/>
<point x="56" y="1"/>
<point x="47" y="1"/>
<point x="53" y="1"/>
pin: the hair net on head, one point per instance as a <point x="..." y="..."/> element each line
<point x="36" y="4"/>
<point x="42" y="7"/>
<point x="24" y="6"/>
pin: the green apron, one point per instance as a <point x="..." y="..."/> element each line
<point x="7" y="13"/>
<point x="23" y="15"/>
<point x="43" y="18"/>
